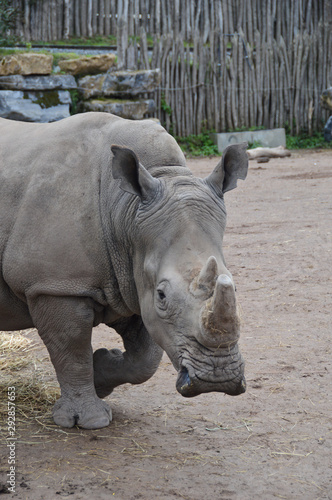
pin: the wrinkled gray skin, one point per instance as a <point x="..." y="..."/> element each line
<point x="124" y="236"/>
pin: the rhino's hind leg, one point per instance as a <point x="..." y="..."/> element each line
<point x="65" y="326"/>
<point x="136" y="365"/>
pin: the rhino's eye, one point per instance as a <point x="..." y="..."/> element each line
<point x="161" y="297"/>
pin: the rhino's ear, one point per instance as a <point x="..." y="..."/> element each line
<point x="232" y="166"/>
<point x="135" y="179"/>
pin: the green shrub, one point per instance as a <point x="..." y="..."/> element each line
<point x="95" y="41"/>
<point x="305" y="141"/>
<point x="254" y="144"/>
<point x="8" y="15"/>
<point x="75" y="97"/>
<point x="198" y="145"/>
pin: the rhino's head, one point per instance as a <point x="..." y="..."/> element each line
<point x="185" y="292"/>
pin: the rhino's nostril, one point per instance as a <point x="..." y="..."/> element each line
<point x="183" y="378"/>
<point x="184" y="384"/>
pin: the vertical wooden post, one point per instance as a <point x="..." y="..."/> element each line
<point x="66" y="17"/>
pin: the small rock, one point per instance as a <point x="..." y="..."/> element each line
<point x="263" y="159"/>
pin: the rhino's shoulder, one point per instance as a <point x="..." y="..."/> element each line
<point x="152" y="144"/>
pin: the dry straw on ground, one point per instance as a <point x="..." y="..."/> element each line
<point x="14" y="341"/>
<point x="34" y="398"/>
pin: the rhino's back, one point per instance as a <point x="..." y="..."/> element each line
<point x="45" y="163"/>
<point x="27" y="147"/>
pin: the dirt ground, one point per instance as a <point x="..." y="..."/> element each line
<point x="274" y="441"/>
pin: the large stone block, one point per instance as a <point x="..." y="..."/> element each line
<point x="26" y="64"/>
<point x="49" y="82"/>
<point x="88" y="65"/>
<point x="119" y="83"/>
<point x="133" y="110"/>
<point x="42" y="107"/>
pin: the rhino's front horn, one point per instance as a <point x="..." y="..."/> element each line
<point x="220" y="322"/>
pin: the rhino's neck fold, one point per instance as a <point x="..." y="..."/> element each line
<point x="118" y="211"/>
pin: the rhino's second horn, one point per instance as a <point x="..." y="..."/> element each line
<point x="203" y="285"/>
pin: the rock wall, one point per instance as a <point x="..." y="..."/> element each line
<point x="29" y="92"/>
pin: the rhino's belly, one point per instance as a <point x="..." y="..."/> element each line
<point x="14" y="314"/>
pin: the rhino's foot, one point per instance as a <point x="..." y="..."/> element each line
<point x="94" y="414"/>
<point x="113" y="368"/>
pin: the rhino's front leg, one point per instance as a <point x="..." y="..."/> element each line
<point x="65" y="326"/>
<point x="136" y="365"/>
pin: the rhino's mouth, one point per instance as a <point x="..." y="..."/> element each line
<point x="193" y="386"/>
<point x="192" y="381"/>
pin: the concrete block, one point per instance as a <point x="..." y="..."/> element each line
<point x="267" y="138"/>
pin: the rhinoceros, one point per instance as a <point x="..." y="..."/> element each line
<point x="103" y="222"/>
